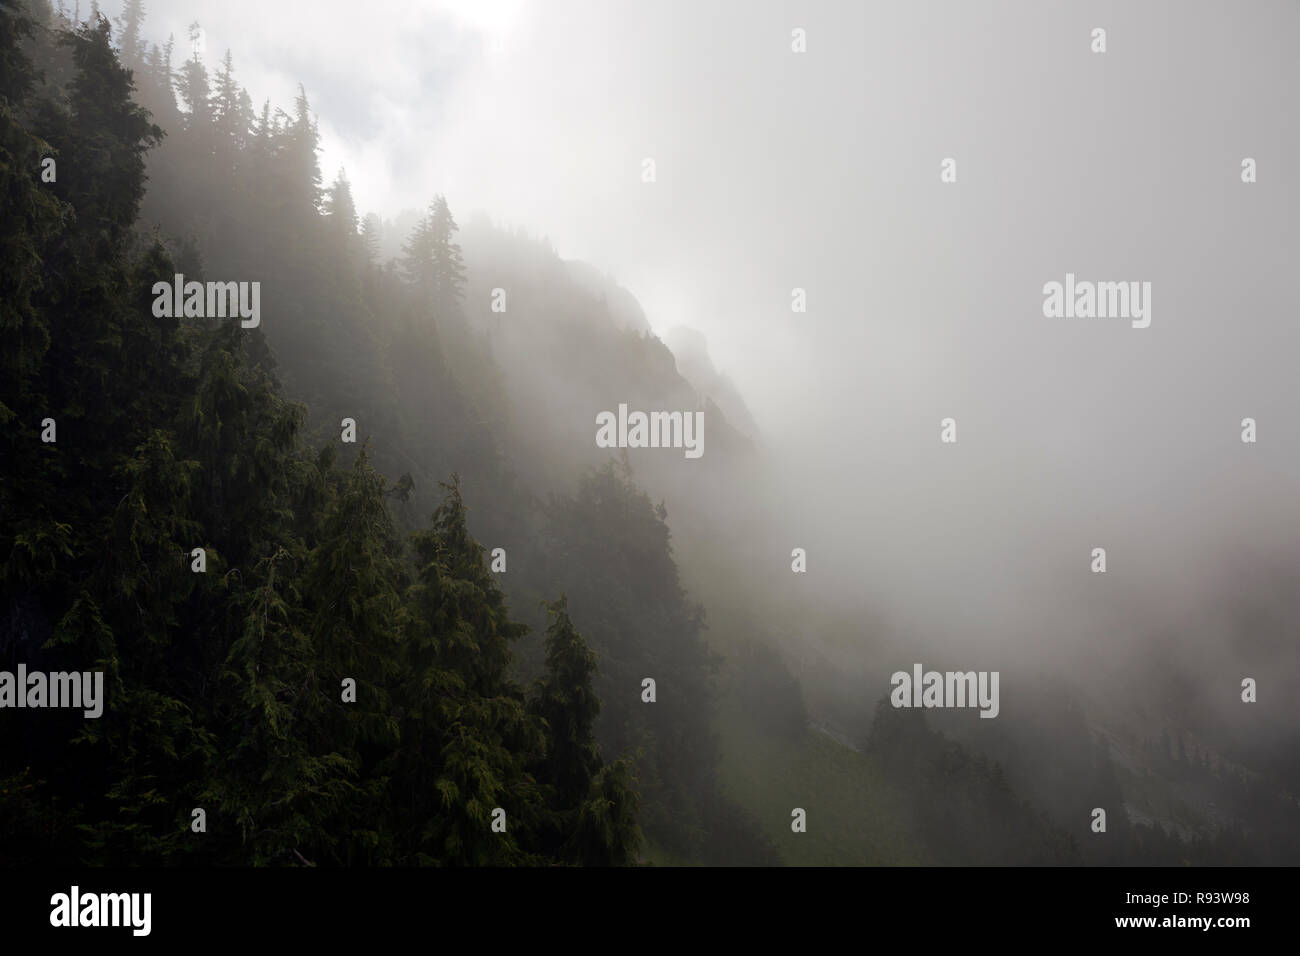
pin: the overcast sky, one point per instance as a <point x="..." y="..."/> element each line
<point x="821" y="170"/>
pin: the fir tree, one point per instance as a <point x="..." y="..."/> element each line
<point x="341" y="218"/>
<point x="371" y="233"/>
<point x="466" y="728"/>
<point x="593" y="806"/>
<point x="432" y="260"/>
<point x="195" y="90"/>
<point x="132" y="45"/>
<point x="229" y="114"/>
<point x="298" y="155"/>
<point x="566" y="700"/>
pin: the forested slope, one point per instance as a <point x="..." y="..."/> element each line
<point x="503" y="675"/>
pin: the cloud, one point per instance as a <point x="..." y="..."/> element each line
<point x="821" y="170"/>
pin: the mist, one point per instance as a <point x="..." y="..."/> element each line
<point x="924" y="299"/>
<point x="822" y="171"/>
<point x="830" y="228"/>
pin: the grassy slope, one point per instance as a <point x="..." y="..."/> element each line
<point x="853" y="818"/>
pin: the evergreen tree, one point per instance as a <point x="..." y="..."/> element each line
<point x="593" y="807"/>
<point x="109" y="184"/>
<point x="229" y="114"/>
<point x="261" y="146"/>
<point x="371" y="233"/>
<point x="355" y="577"/>
<point x="92" y="535"/>
<point x="613" y="557"/>
<point x="432" y="260"/>
<point x="33" y="218"/>
<point x="300" y="166"/>
<point x="132" y="45"/>
<point x="195" y="90"/>
<point x="466" y="729"/>
<point x="448" y="265"/>
<point x="341" y="219"/>
<point x="566" y="700"/>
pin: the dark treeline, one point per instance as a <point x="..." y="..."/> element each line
<point x="388" y="342"/>
<point x="227" y="690"/>
<point x="174" y="434"/>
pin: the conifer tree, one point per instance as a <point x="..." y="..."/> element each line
<point x="448" y="265"/>
<point x="341" y="220"/>
<point x="33" y="217"/>
<point x="352" y="583"/>
<point x="95" y="551"/>
<point x="466" y="729"/>
<point x="417" y="258"/>
<point x="339" y="207"/>
<point x="261" y="144"/>
<point x="132" y="45"/>
<point x="606" y="832"/>
<point x="298" y="154"/>
<point x="432" y="260"/>
<point x="195" y="90"/>
<point x="229" y="117"/>
<point x="641" y="626"/>
<point x="566" y="700"/>
<point x="371" y="232"/>
<point x="592" y="819"/>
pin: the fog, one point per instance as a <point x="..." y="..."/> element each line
<point x="821" y="171"/>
